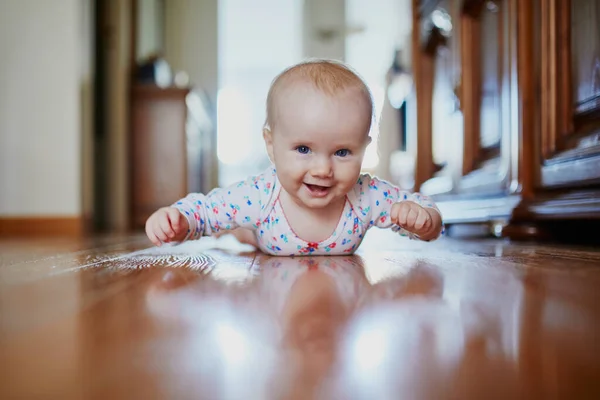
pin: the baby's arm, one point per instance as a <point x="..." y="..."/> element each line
<point x="198" y="215"/>
<point x="228" y="208"/>
<point x="411" y="214"/>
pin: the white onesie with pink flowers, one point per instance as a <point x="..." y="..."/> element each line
<point x="254" y="204"/>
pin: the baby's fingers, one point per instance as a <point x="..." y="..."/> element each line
<point x="423" y="220"/>
<point x="165" y="227"/>
<point x="174" y="217"/>
<point x="401" y="213"/>
<point x="411" y="217"/>
<point x="151" y="235"/>
<point x="160" y="234"/>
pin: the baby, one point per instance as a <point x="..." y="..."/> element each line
<point x="313" y="199"/>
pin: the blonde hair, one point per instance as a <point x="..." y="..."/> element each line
<point x="328" y="76"/>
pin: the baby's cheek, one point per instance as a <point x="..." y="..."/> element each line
<point x="290" y="174"/>
<point x="348" y="173"/>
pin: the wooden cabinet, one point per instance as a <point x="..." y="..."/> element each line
<point x="569" y="54"/>
<point x="172" y="146"/>
<point x="159" y="162"/>
<point x="508" y="110"/>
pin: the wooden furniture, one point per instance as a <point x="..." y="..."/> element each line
<point x="508" y="110"/>
<point x="172" y="147"/>
<point x="158" y="148"/>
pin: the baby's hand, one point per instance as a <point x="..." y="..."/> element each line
<point x="166" y="225"/>
<point x="423" y="222"/>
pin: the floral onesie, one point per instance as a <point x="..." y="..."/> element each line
<point x="254" y="204"/>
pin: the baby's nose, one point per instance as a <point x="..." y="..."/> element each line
<point x="322" y="167"/>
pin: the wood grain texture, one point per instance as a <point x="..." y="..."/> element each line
<point x="528" y="146"/>
<point x="110" y="317"/>
<point x="555" y="90"/>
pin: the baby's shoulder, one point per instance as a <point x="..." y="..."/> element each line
<point x="368" y="184"/>
<point x="266" y="186"/>
<point x="369" y="189"/>
<point x="262" y="182"/>
<point x="365" y="183"/>
<point x="359" y="194"/>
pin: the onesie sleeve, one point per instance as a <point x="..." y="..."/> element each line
<point x="377" y="197"/>
<point x="235" y="206"/>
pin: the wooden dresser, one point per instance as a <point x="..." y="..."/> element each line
<point x="508" y="112"/>
<point x="171" y="147"/>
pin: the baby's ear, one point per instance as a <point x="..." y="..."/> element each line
<point x="268" y="137"/>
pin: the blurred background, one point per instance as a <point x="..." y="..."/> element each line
<point x="111" y="109"/>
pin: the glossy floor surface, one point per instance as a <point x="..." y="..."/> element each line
<point x="111" y="318"/>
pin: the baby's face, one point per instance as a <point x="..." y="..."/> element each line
<point x="318" y="144"/>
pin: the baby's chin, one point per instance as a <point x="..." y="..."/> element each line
<point x="322" y="204"/>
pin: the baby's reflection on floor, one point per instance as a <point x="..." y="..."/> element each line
<point x="291" y="317"/>
<point x="314" y="300"/>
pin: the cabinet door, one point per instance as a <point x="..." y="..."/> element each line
<point x="569" y="46"/>
<point x="447" y="121"/>
<point x="487" y="49"/>
<point x="432" y="37"/>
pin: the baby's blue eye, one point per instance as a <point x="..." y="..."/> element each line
<point x="302" y="149"/>
<point x="342" y="152"/>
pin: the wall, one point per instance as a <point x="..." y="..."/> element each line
<point x="191" y="45"/>
<point x="87" y="71"/>
<point x="250" y="56"/>
<point x="324" y="29"/>
<point x="40" y="166"/>
<point x="191" y="28"/>
<point x="150" y="28"/>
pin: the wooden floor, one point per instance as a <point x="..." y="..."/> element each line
<point x="111" y="318"/>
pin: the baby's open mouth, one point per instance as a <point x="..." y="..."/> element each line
<point x="317" y="190"/>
